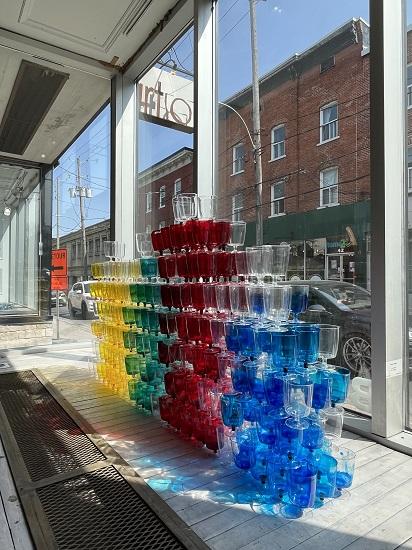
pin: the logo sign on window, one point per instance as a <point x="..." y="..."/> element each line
<point x="167" y="99"/>
<point x="59" y="269"/>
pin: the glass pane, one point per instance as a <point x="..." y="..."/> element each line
<point x="19" y="240"/>
<point x="409" y="199"/>
<point x="329" y="246"/>
<point x="165" y="134"/>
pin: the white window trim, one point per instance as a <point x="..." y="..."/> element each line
<point x="273" y="143"/>
<point x="236" y="210"/>
<point x="408" y="88"/>
<point x="321" y="124"/>
<point x="273" y="200"/>
<point x="151" y="202"/>
<point x="321" y="188"/>
<point x="234" y="159"/>
<point x="162" y="194"/>
<point x="179" y="180"/>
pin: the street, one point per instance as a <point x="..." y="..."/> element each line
<point x="74" y="330"/>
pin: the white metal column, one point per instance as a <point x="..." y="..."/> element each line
<point x="123" y="187"/>
<point x="388" y="274"/>
<point x="205" y="89"/>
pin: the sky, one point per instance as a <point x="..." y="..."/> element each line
<point x="284" y="27"/>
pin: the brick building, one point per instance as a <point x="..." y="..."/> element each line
<point x="315" y="157"/>
<point x="157" y="185"/>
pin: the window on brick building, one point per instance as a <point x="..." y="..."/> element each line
<point x="73" y="251"/>
<point x="237" y="206"/>
<point x="409" y="96"/>
<point x="329" y="187"/>
<point x="278" y="142"/>
<point x="329" y="122"/>
<point x="162" y="197"/>
<point x="97" y="247"/>
<point x="148" y="202"/>
<point x="277" y="198"/>
<point x="162" y="224"/>
<point x="177" y="187"/>
<point x="238" y="159"/>
<point x="90" y="248"/>
<point x="410" y="179"/>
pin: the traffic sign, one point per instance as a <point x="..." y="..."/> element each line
<point x="59" y="269"/>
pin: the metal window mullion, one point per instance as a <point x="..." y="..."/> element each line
<point x="388" y="220"/>
<point x="205" y="88"/>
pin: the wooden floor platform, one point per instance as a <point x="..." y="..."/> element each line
<point x="205" y="491"/>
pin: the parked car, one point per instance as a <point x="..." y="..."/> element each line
<point x="80" y="301"/>
<point x="62" y="298"/>
<point x="349" y="306"/>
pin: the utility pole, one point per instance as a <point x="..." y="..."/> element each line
<point x="57" y="246"/>
<point x="82" y="192"/>
<point x="257" y="151"/>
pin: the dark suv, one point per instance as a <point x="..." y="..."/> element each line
<point x="349" y="306"/>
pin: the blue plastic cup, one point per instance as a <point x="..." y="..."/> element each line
<point x="273" y="381"/>
<point x="255" y="377"/>
<point x="246" y="337"/>
<point x="231" y="410"/>
<point x="302" y="485"/>
<point x="239" y="374"/>
<point x="243" y="445"/>
<point x="321" y="389"/>
<point x="231" y="336"/>
<point x="340" y="385"/>
<point x="326" y="477"/>
<point x="263" y="340"/>
<point x="307" y="342"/>
<point x="284" y="349"/>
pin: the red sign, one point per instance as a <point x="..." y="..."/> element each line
<point x="59" y="269"/>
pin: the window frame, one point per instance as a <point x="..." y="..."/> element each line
<point x="149" y="202"/>
<point x="329" y="187"/>
<point x="409" y="179"/>
<point x="177" y="181"/>
<point x="323" y="124"/>
<point x="274" y="201"/>
<point x="162" y="196"/>
<point x="274" y="143"/>
<point x="236" y="209"/>
<point x="236" y="159"/>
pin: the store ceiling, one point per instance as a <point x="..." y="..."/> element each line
<point x="86" y="41"/>
<point x="15" y="182"/>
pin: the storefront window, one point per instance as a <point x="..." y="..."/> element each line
<point x="19" y="240"/>
<point x="314" y="153"/>
<point x="165" y="134"/>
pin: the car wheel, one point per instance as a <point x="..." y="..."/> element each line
<point x="356" y="355"/>
<point x="72" y="311"/>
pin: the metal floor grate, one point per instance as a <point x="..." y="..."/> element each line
<point x="76" y="491"/>
<point x="38" y="422"/>
<point x="100" y="510"/>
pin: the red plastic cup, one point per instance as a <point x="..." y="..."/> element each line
<point x="205" y="262"/>
<point x="192" y="265"/>
<point x="205" y="330"/>
<point x="214" y="434"/>
<point x="181" y="325"/>
<point x="187" y="354"/>
<point x="202" y="232"/>
<point x="186" y="295"/>
<point x="166" y="295"/>
<point x="163" y="351"/>
<point x="192" y="389"/>
<point x="157" y="241"/>
<point x="161" y="265"/>
<point x="199" y="359"/>
<point x="174" y="350"/>
<point x="170" y="260"/>
<point x="171" y="323"/>
<point x="198" y="301"/>
<point x="175" y="290"/>
<point x="193" y="328"/>
<point x="223" y="264"/>
<point x="165" y="405"/>
<point x="163" y="325"/>
<point x="167" y="243"/>
<point x="180" y="383"/>
<point x="189" y="234"/>
<point x="181" y="265"/>
<point x="211" y="363"/>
